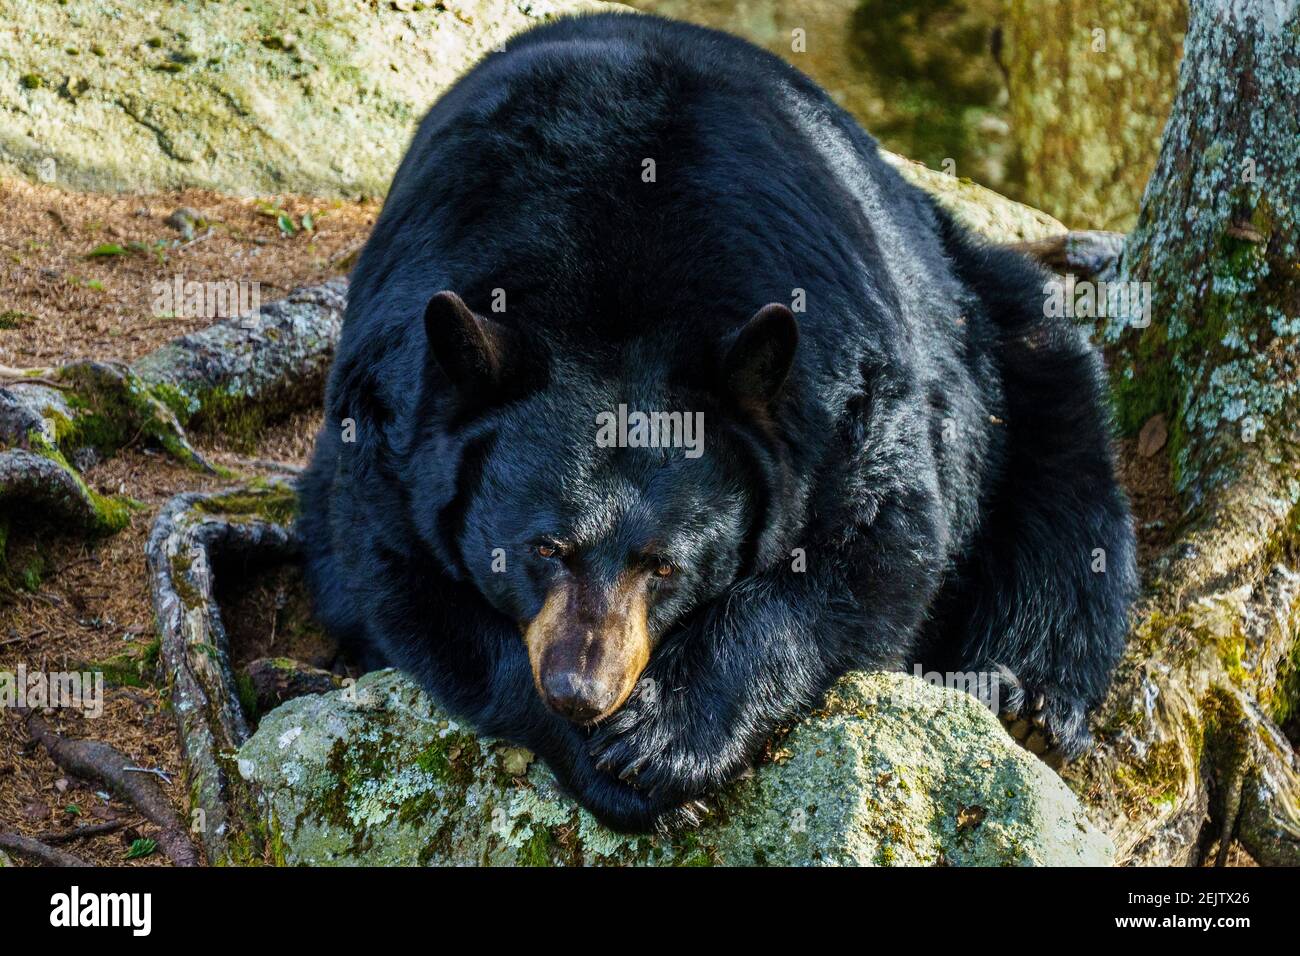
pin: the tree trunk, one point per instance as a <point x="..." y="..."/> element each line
<point x="1190" y="747"/>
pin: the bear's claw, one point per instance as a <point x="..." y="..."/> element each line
<point x="1048" y="722"/>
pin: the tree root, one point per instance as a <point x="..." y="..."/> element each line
<point x="53" y="488"/>
<point x="191" y="533"/>
<point x="38" y="852"/>
<point x="81" y="833"/>
<point x="1268" y="822"/>
<point x="237" y="375"/>
<point x="93" y="760"/>
<point x="1186" y="738"/>
<point x="232" y="376"/>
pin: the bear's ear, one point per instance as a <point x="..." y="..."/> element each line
<point x="471" y="349"/>
<point x="761" y="354"/>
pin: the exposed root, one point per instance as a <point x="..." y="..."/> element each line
<point x="38" y="852"/>
<point x="93" y="760"/>
<point x="1185" y="736"/>
<point x="8" y="371"/>
<point x="1269" y="822"/>
<point x="81" y="833"/>
<point x="51" y="486"/>
<point x="191" y="532"/>
<point x="234" y="375"/>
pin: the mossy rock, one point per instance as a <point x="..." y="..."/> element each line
<point x="890" y="771"/>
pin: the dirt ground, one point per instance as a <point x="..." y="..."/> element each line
<point x="60" y="301"/>
<point x="86" y="603"/>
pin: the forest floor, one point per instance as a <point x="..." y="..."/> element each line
<point x="81" y="604"/>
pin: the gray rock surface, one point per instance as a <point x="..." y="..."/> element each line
<point x="251" y="98"/>
<point x="891" y="771"/>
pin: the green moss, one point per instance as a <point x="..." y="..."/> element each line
<point x="233" y="416"/>
<point x="536" y="850"/>
<point x="131" y="668"/>
<point x="114" y="409"/>
<point x="11" y="319"/>
<point x="32" y="574"/>
<point x="1232" y="651"/>
<point x="247" y="696"/>
<point x="189" y="595"/>
<point x="1143" y="383"/>
<point x="109" y="515"/>
<point x="181" y="405"/>
<point x="1159" y="777"/>
<point x="275" y="503"/>
<point x="451" y="759"/>
<point x="688" y="850"/>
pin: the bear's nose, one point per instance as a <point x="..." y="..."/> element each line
<point x="576" y="697"/>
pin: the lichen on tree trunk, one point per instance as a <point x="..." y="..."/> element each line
<point x="1190" y="751"/>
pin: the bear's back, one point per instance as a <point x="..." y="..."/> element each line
<point x="621" y="177"/>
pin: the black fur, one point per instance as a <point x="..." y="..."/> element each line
<point x="939" y="450"/>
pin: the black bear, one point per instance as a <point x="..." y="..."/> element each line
<point x="662" y="401"/>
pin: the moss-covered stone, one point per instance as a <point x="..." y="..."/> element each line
<point x="890" y="771"/>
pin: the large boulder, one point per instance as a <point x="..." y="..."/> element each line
<point x="264" y="97"/>
<point x="254" y="97"/>
<point x="891" y="770"/>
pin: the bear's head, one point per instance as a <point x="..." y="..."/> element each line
<point x="600" y="502"/>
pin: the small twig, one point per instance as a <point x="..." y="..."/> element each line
<point x="12" y="372"/>
<point x="81" y="833"/>
<point x="268" y="464"/>
<point x="153" y="770"/>
<point x="37" y="851"/>
<point x="34" y="380"/>
<point x="207" y="233"/>
<point x="39" y="632"/>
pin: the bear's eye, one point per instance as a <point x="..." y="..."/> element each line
<point x="547" y="549"/>
<point x="664" y="570"/>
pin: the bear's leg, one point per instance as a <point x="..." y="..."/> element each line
<point x="1037" y="611"/>
<point x="1036" y="619"/>
<point x="715" y="691"/>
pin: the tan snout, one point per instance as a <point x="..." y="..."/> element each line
<point x="588" y="647"/>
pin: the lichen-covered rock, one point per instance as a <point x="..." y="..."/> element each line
<point x="889" y="771"/>
<point x="252" y="97"/>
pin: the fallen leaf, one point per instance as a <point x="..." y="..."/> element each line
<point x="106" y="249"/>
<point x="968" y="818"/>
<point x="1153" y="436"/>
